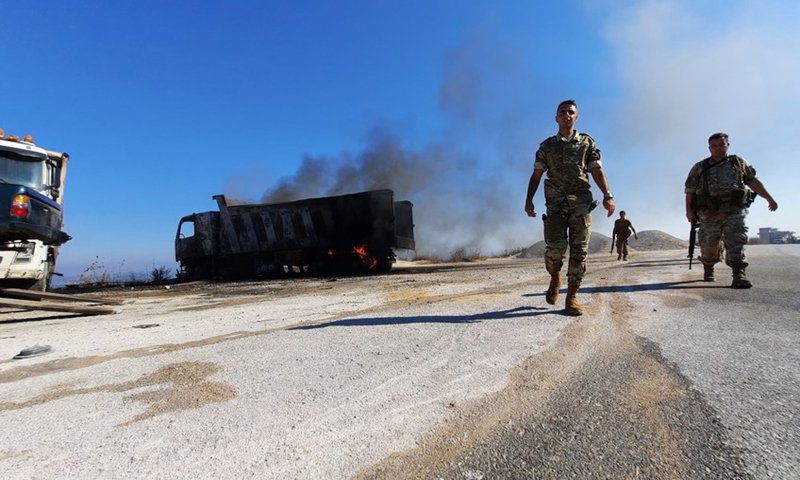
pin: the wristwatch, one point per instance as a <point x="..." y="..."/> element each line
<point x="608" y="196"/>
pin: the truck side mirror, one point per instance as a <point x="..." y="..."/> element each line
<point x="54" y="175"/>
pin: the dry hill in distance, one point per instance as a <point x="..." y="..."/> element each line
<point x="599" y="243"/>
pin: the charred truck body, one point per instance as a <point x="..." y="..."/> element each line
<point x="31" y="200"/>
<point x="345" y="234"/>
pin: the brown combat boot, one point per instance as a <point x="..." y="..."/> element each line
<point x="740" y="279"/>
<point x="708" y="272"/>
<point x="619" y="256"/>
<point x="573" y="307"/>
<point x="552" y="290"/>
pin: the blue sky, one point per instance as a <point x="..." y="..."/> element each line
<point x="163" y="104"/>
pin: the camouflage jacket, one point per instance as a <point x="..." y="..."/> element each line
<point x="719" y="180"/>
<point x="567" y="162"/>
<point x="622" y="228"/>
<point x="720" y="187"/>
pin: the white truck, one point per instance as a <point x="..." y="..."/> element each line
<point x="31" y="214"/>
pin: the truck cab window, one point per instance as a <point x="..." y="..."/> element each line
<point x="21" y="170"/>
<point x="186" y="229"/>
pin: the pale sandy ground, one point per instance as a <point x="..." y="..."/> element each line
<point x="309" y="378"/>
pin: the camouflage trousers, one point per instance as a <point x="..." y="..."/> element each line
<point x="622" y="246"/>
<point x="727" y="227"/>
<point x="568" y="224"/>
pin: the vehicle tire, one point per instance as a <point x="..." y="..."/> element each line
<point x="383" y="266"/>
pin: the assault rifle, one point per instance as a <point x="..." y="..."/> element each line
<point x="692" y="241"/>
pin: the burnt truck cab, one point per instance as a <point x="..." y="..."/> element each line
<point x="31" y="199"/>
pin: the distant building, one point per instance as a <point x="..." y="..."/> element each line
<point x="773" y="235"/>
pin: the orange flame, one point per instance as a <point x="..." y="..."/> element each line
<point x="361" y="251"/>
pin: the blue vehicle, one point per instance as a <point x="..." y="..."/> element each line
<point x="31" y="212"/>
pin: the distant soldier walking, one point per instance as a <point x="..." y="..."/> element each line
<point x="622" y="231"/>
<point x="568" y="158"/>
<point x="717" y="200"/>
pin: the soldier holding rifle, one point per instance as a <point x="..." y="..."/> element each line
<point x="717" y="198"/>
<point x="622" y="231"/>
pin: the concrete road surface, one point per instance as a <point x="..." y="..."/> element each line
<point x="431" y="371"/>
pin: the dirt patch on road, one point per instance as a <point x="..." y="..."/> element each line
<point x="178" y="386"/>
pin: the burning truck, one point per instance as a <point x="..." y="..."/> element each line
<point x="345" y="234"/>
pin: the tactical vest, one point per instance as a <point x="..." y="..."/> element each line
<point x="738" y="198"/>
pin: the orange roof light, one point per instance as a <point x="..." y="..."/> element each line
<point x="2" y="133"/>
<point x="27" y="138"/>
<point x="13" y="138"/>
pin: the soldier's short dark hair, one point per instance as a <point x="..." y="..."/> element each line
<point x="567" y="102"/>
<point x="718" y="136"/>
<point x="622" y="212"/>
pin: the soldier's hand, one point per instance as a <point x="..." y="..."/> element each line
<point x="610" y="206"/>
<point x="529" y="209"/>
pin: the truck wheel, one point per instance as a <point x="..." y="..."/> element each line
<point x="382" y="266"/>
<point x="43" y="284"/>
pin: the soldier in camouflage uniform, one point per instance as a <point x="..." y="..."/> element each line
<point x="717" y="200"/>
<point x="622" y="231"/>
<point x="568" y="158"/>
